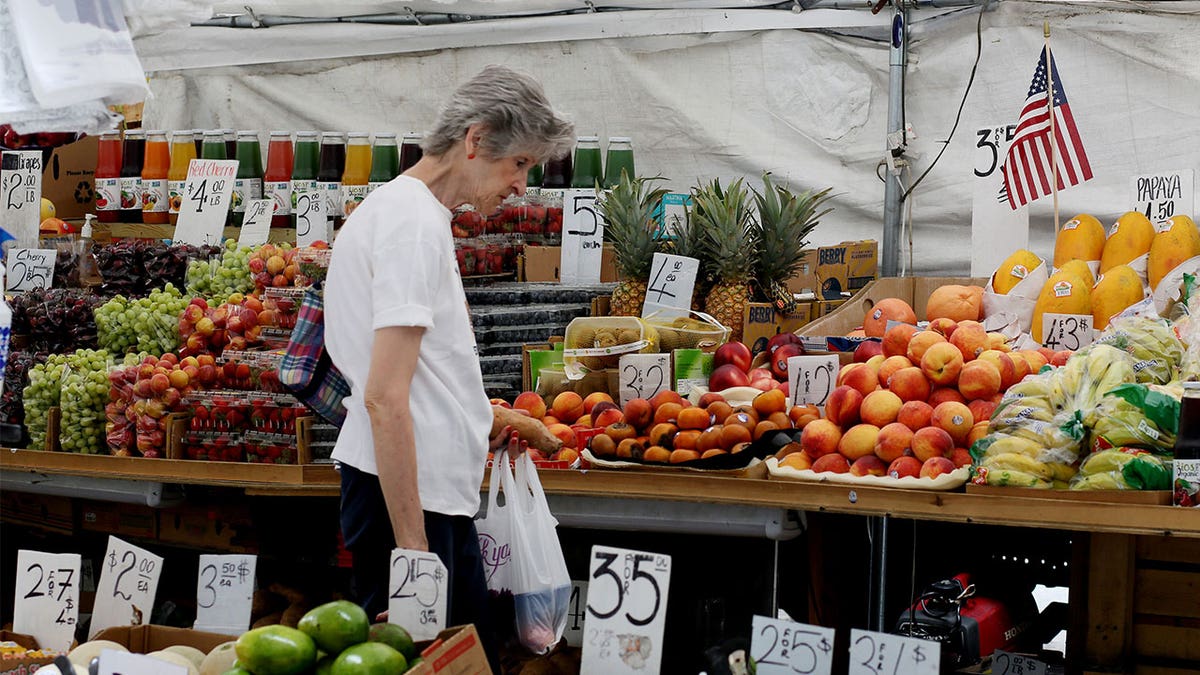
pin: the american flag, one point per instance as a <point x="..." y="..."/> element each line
<point x="1027" y="170"/>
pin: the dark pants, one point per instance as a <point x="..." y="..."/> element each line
<point x="367" y="531"/>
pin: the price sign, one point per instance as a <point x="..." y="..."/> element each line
<point x="47" y="605"/>
<point x="582" y="240"/>
<point x="1067" y="331"/>
<point x="995" y="227"/>
<point x="21" y="195"/>
<point x="1162" y="195"/>
<point x="672" y="280"/>
<point x="576" y="613"/>
<point x="312" y="223"/>
<point x="30" y="268"/>
<point x="626" y="611"/>
<point x="812" y="378"/>
<point x="1004" y="663"/>
<point x="643" y="375"/>
<point x="224" y="593"/>
<point x="417" y="593"/>
<point x="886" y="654"/>
<point x="128" y="582"/>
<point x="672" y="215"/>
<point x="205" y="201"/>
<point x="113" y="662"/>
<point x="256" y="227"/>
<point x="786" y="647"/>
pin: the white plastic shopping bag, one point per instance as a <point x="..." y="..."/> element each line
<point x="540" y="582"/>
<point x="494" y="545"/>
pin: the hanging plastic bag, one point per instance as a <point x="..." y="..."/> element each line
<point x="541" y="584"/>
<point x="495" y="543"/>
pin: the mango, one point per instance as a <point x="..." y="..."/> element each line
<point x="1129" y="239"/>
<point x="276" y="650"/>
<point x="1081" y="238"/>
<point x="1080" y="269"/>
<point x="1014" y="268"/>
<point x="1064" y="293"/>
<point x="1117" y="289"/>
<point x="369" y="658"/>
<point x="336" y="625"/>
<point x="1174" y="245"/>
<point x="395" y="637"/>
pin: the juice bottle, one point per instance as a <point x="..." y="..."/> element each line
<point x="230" y="137"/>
<point x="154" y="179"/>
<point x="198" y="137"/>
<point x="558" y="173"/>
<point x="249" y="182"/>
<point x="620" y="158"/>
<point x="357" y="173"/>
<point x="304" y="170"/>
<point x="1185" y="479"/>
<point x="329" y="174"/>
<point x="133" y="155"/>
<point x="108" y="177"/>
<point x="588" y="168"/>
<point x="213" y="145"/>
<point x="183" y="151"/>
<point x="277" y="183"/>
<point x="534" y="179"/>
<point x="410" y="151"/>
<point x="385" y="161"/>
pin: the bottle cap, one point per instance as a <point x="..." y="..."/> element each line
<point x="306" y="134"/>
<point x="181" y="133"/>
<point x="413" y="136"/>
<point x="384" y="134"/>
<point x="249" y="132"/>
<point x="619" y="139"/>
<point x="134" y="132"/>
<point x="587" y="139"/>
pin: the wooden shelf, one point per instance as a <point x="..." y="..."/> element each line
<point x="1043" y="511"/>
<point x="105" y="231"/>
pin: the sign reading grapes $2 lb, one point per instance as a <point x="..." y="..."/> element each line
<point x="128" y="583"/>
<point x="626" y="611"/>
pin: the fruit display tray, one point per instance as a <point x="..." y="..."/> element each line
<point x="756" y="469"/>
<point x="537" y="333"/>
<point x="501" y="349"/>
<point x="945" y="482"/>
<point x="500" y="365"/>
<point x="484" y="317"/>
<point x="524" y="293"/>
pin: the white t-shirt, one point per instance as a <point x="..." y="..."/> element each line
<point x="393" y="265"/>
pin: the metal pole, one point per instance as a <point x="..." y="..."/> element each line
<point x="892" y="218"/>
<point x="881" y="589"/>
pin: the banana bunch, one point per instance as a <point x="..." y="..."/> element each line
<point x="1025" y="462"/>
<point x="1137" y="415"/>
<point x="1156" y="351"/>
<point x="1122" y="469"/>
<point x="1104" y="368"/>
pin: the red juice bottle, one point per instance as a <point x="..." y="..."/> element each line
<point x="329" y="174"/>
<point x="133" y="155"/>
<point x="108" y="177"/>
<point x="277" y="183"/>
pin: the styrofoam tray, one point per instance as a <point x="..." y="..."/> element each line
<point x="944" y="482"/>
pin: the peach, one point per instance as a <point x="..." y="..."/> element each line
<point x="904" y="466"/>
<point x="894" y="441"/>
<point x="762" y="428"/>
<point x="585" y="421"/>
<point x="694" y="419"/>
<point x="895" y="340"/>
<point x="1035" y="359"/>
<point x="859" y="441"/>
<point x="1061" y="357"/>
<point x="910" y="384"/>
<point x="860" y="377"/>
<point x="1020" y="365"/>
<point x="564" y="433"/>
<point x="656" y="454"/>
<point x="734" y="434"/>
<point x="549" y="420"/>
<point x="942" y="363"/>
<point x="667" y="412"/>
<point x="931" y="442"/>
<point x="639" y="413"/>
<point x="686" y="440"/>
<point x="868" y="466"/>
<point x="961" y="457"/>
<point x="606" y="416"/>
<point x="678" y="456"/>
<point x="998" y="341"/>
<point x="710" y="438"/>
<point x="663" y="434"/>
<point x="843" y="405"/>
<point x="977" y="432"/>
<point x="834" y="463"/>
<point x="719" y="410"/>
<point x="568" y="407"/>
<point x="921" y="342"/>
<point x="568" y="455"/>
<point x="770" y="402"/>
<point x="971" y="339"/>
<point x="943" y="394"/>
<point x="666" y="396"/>
<point x="630" y="448"/>
<point x="880" y="408"/>
<point x="820" y="438"/>
<point x="979" y="379"/>
<point x="709" y="398"/>
<point x="592" y="399"/>
<point x="1004" y="365"/>
<point x="620" y="431"/>
<point x="936" y="466"/>
<point x="801" y="415"/>
<point x="797" y="460"/>
<point x="944" y="326"/>
<point x="1046" y="353"/>
<point x="981" y="410"/>
<point x="603" y="445"/>
<point x="915" y="415"/>
<point x="744" y="419"/>
<point x="531" y="403"/>
<point x="715" y="452"/>
<point x="890" y="366"/>
<point x="955" y="418"/>
<point x="875" y="362"/>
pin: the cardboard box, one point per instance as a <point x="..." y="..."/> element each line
<point x="760" y="322"/>
<point x="915" y="291"/>
<point x="26" y="665"/>
<point x="541" y="263"/>
<point x="456" y="651"/>
<point x="847" y="267"/>
<point x="68" y="178"/>
<point x="147" y="639"/>
<point x="823" y="308"/>
<point x="806" y="280"/>
<point x="123" y="520"/>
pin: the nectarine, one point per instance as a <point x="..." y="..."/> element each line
<point x="880" y="408"/>
<point x="904" y="466"/>
<point x="955" y="418"/>
<point x="531" y="403"/>
<point x="843" y="406"/>
<point x="910" y="384"/>
<point x="833" y="463"/>
<point x="936" y="466"/>
<point x="915" y="415"/>
<point x="931" y="442"/>
<point x="567" y="407"/>
<point x="942" y="363"/>
<point x="979" y="379"/>
<point x="921" y="342"/>
<point x="820" y="437"/>
<point x="639" y="413"/>
<point x="858" y="441"/>
<point x="868" y="466"/>
<point x="893" y="442"/>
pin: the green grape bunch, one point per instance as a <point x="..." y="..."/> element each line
<point x="217" y="279"/>
<point x="42" y="394"/>
<point x="84" y="393"/>
<point x="148" y="324"/>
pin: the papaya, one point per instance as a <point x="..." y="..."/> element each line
<point x="1081" y="238"/>
<point x="369" y="658"/>
<point x="1129" y="239"/>
<point x="1174" y="245"/>
<point x="1080" y="269"/>
<point x="1117" y="289"/>
<point x="336" y="625"/>
<point x="1015" y="268"/>
<point x="1063" y="293"/>
<point x="276" y="650"/>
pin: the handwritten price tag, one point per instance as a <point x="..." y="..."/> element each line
<point x="643" y="375"/>
<point x="47" y="605"/>
<point x="1004" y="663"/>
<point x="583" y="238"/>
<point x="128" y="582"/>
<point x="886" y="654"/>
<point x="1163" y="195"/>
<point x="206" y="197"/>
<point x="787" y="648"/>
<point x="1067" y="331"/>
<point x="312" y="223"/>
<point x="626" y="611"/>
<point x="812" y="378"/>
<point x="30" y="268"/>
<point x="256" y="227"/>
<point x="576" y="613"/>
<point x="672" y="280"/>
<point x="113" y="662"/>
<point x="224" y="593"/>
<point x="21" y="195"/>
<point x="417" y="593"/>
<point x="995" y="227"/>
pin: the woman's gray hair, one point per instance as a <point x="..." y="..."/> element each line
<point x="515" y="111"/>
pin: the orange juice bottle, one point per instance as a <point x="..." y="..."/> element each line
<point x="154" y="179"/>
<point x="357" y="176"/>
<point x="183" y="151"/>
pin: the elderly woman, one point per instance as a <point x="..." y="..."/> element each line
<point x="415" y="440"/>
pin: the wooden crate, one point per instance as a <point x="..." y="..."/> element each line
<point x="53" y="428"/>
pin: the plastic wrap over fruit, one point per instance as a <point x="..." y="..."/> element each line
<point x="85" y="386"/>
<point x="1090" y="374"/>
<point x="1138" y="415"/>
<point x="1034" y="437"/>
<point x="1187" y="326"/>
<point x="1122" y="469"/>
<point x="1157" y="352"/>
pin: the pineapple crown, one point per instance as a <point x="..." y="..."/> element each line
<point x="628" y="210"/>
<point x="724" y="222"/>
<point x="785" y="220"/>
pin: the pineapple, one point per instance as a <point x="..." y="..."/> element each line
<point x="628" y="211"/>
<point x="785" y="220"/>
<point x="726" y="220"/>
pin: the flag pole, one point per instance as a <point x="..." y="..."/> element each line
<point x="1053" y="134"/>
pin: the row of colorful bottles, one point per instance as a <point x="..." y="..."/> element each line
<point x="141" y="178"/>
<point x="587" y="169"/>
